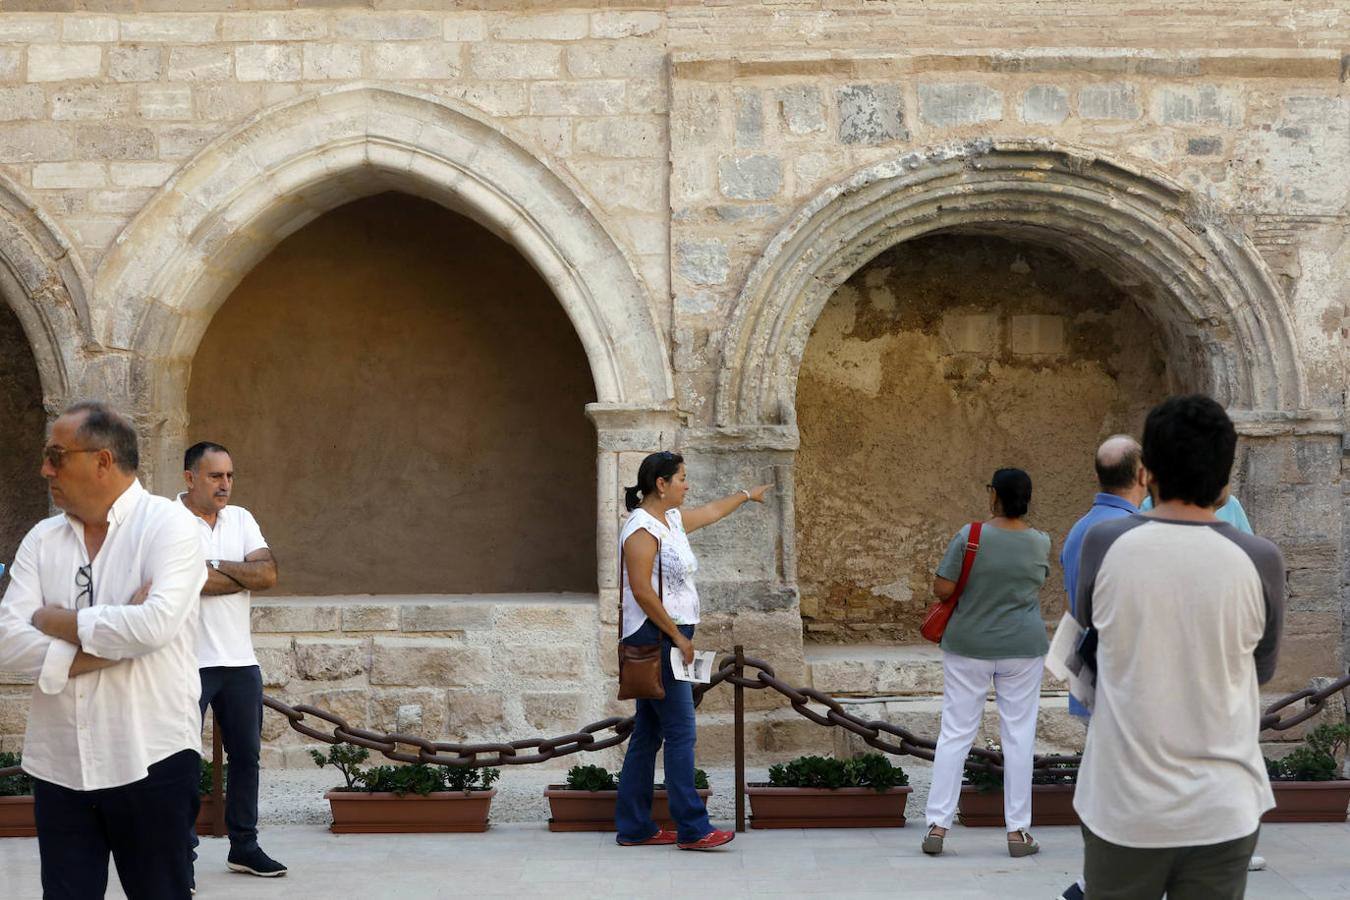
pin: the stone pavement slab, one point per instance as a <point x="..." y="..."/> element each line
<point x="526" y="860"/>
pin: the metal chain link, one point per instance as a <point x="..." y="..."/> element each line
<point x="884" y="736"/>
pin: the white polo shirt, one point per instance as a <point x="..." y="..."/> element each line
<point x="106" y="728"/>
<point x="225" y="637"/>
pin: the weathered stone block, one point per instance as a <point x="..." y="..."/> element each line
<point x="16" y="678"/>
<point x="431" y="662"/>
<point x="350" y="704"/>
<point x="27" y="102"/>
<point x="1036" y="335"/>
<point x="560" y="662"/>
<point x="457" y="616"/>
<point x="625" y="24"/>
<point x="550" y="620"/>
<point x="131" y="63"/>
<point x="114" y="142"/>
<point x="566" y="26"/>
<point x="323" y="62"/>
<point x="954" y="105"/>
<point x="267" y="62"/>
<point x="695" y="114"/>
<point x="800" y="109"/>
<point x="554" y="713"/>
<point x="58" y="62"/>
<point x="758" y="177"/>
<point x="169" y="102"/>
<point x="330" y="659"/>
<point x="207" y="63"/>
<point x="294" y="618"/>
<point x="702" y="261"/>
<point x="419" y="711"/>
<point x="514" y="61"/>
<point x="87" y="29"/>
<point x="276" y="658"/>
<point x="635" y="185"/>
<point x="91" y="101"/>
<point x="140" y="174"/>
<point x="615" y="60"/>
<point x="24" y="29"/>
<point x="387" y="26"/>
<point x="416" y="61"/>
<point x="372" y="617"/>
<point x="469" y="26"/>
<point x="260" y="26"/>
<point x="69" y="175"/>
<point x="14" y="713"/>
<point x="971" y="333"/>
<point x="1210" y="145"/>
<point x="620" y="137"/>
<point x="181" y="29"/>
<point x="871" y="114"/>
<point x="1045" y="104"/>
<point x="472" y="714"/>
<point x="582" y="98"/>
<point x="1204" y="104"/>
<point x="1108" y="101"/>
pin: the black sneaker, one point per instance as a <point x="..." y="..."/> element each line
<point x="254" y="862"/>
<point x="1072" y="892"/>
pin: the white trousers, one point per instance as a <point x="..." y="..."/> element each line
<point x="965" y="685"/>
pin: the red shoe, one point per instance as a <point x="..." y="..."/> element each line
<point x="714" y="838"/>
<point x="661" y="837"/>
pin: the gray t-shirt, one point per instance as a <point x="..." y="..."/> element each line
<point x="1188" y="616"/>
<point x="999" y="613"/>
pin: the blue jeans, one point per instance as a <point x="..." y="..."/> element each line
<point x="670" y="720"/>
<point x="235" y="693"/>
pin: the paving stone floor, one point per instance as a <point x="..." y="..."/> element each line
<point x="525" y="860"/>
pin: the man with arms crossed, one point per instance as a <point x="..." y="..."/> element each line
<point x="102" y="610"/>
<point x="237" y="562"/>
<point x="1188" y="612"/>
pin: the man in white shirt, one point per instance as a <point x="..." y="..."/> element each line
<point x="102" y="610"/>
<point x="1188" y="613"/>
<point x="237" y="562"/>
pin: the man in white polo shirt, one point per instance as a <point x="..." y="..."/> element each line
<point x="102" y="610"/>
<point x="237" y="562"/>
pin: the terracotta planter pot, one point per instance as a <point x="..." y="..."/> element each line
<point x="16" y="817"/>
<point x="791" y="807"/>
<point x="1309" y="801"/>
<point x="204" y="815"/>
<point x="594" y="810"/>
<point x="355" y="812"/>
<point x="1051" y="804"/>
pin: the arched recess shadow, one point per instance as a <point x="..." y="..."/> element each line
<point x="230" y="205"/>
<point x="1199" y="278"/>
<point x="42" y="280"/>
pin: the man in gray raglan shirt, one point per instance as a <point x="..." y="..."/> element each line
<point x="1188" y="613"/>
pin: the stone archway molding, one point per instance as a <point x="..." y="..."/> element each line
<point x="185" y="251"/>
<point x="1204" y="283"/>
<point x="43" y="281"/>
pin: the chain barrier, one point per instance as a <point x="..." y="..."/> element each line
<point x="610" y="732"/>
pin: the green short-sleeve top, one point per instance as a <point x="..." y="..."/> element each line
<point x="999" y="613"/>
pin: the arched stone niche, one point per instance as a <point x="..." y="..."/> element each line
<point x="1201" y="281"/>
<point x="192" y="243"/>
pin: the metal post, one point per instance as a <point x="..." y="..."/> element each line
<point x="217" y="779"/>
<point x="740" y="739"/>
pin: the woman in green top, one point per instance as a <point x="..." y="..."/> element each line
<point x="996" y="635"/>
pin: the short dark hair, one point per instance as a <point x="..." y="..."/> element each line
<point x="194" y="454"/>
<point x="104" y="428"/>
<point x="1013" y="487"/>
<point x="1119" y="473"/>
<point x="1189" y="445"/>
<point x="663" y="464"/>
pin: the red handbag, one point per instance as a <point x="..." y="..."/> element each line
<point x="940" y="613"/>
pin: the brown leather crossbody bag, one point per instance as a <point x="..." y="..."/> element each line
<point x="640" y="664"/>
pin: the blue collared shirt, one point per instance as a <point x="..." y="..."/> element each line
<point x="1104" y="506"/>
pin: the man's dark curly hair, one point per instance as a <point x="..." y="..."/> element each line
<point x="1189" y="445"/>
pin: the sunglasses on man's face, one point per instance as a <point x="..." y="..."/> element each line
<point x="57" y="455"/>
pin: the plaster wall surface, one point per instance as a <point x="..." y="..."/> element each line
<point x="23" y="494"/>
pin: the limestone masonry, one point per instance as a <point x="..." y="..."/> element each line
<point x="868" y="251"/>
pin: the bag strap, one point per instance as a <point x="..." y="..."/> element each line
<point x="972" y="547"/>
<point x="660" y="581"/>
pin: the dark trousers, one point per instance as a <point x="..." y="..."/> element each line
<point x="144" y="825"/>
<point x="1204" y="872"/>
<point x="235" y="694"/>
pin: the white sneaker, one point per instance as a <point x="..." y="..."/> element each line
<point x="1256" y="864"/>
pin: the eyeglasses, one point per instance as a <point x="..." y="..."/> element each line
<point x="57" y="455"/>
<point x="84" y="580"/>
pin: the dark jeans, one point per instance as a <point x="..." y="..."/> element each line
<point x="670" y="720"/>
<point x="1204" y="872"/>
<point x="235" y="693"/>
<point x="144" y="825"/>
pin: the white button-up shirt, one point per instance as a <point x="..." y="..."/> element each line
<point x="106" y="728"/>
<point x="225" y="637"/>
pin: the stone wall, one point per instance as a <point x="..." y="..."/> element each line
<point x="693" y="182"/>
<point x="23" y="496"/>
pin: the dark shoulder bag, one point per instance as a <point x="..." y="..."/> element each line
<point x="640" y="664"/>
